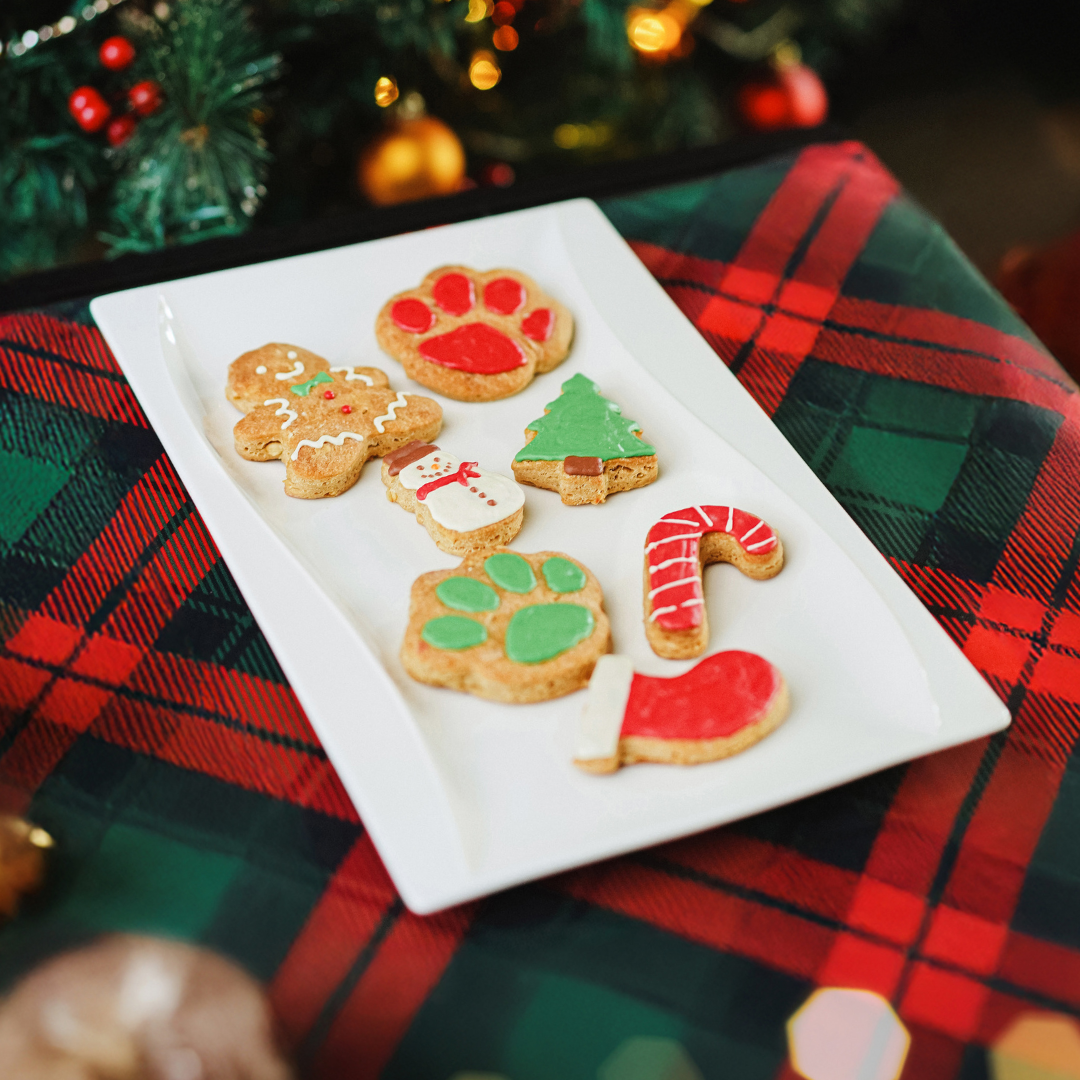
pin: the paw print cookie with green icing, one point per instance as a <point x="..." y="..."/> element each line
<point x="507" y="627"/>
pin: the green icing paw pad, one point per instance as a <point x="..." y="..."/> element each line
<point x="510" y="572"/>
<point x="543" y="631"/>
<point x="453" y="632"/>
<point x="467" y="594"/>
<point x="563" y="576"/>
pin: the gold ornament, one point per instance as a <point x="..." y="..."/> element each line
<point x="386" y="92"/>
<point x="22" y="860"/>
<point x="413" y="159"/>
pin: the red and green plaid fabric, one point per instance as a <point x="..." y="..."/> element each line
<point x="146" y="723"/>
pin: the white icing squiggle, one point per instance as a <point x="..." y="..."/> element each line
<point x="283" y="410"/>
<point x="298" y="369"/>
<point x="353" y="374"/>
<point x="391" y="412"/>
<point x="337" y="440"/>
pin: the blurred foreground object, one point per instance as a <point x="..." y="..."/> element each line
<point x="22" y="861"/>
<point x="1044" y="287"/>
<point x="412" y="159"/>
<point x="137" y="1008"/>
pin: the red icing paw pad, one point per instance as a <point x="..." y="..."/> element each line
<point x="454" y="293"/>
<point x="413" y="315"/>
<point x="539" y="324"/>
<point x="721" y="706"/>
<point x="504" y="295"/>
<point x="474" y="347"/>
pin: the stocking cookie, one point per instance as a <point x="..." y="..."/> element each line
<point x="475" y="336"/>
<point x="584" y="448"/>
<point x="322" y="422"/>
<point x="720" y="707"/>
<point x="463" y="507"/>
<point x="507" y="627"/>
<point x="677" y="548"/>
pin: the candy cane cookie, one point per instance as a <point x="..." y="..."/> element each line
<point x="677" y="549"/>
<point x="720" y="707"/>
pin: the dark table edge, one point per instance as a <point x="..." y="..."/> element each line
<point x="260" y="245"/>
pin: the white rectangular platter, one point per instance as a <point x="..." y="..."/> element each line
<point x="461" y="796"/>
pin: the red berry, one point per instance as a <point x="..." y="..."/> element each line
<point x="120" y="129"/>
<point x="89" y="108"/>
<point x="145" y="97"/>
<point x="116" y="53"/>
<point x="346" y="408"/>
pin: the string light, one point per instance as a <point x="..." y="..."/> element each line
<point x="484" y="71"/>
<point x="479" y="10"/>
<point x="32" y="38"/>
<point x="386" y="92"/>
<point x="505" y="39"/>
<point x="653" y="31"/>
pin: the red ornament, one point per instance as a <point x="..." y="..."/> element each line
<point x="497" y="174"/>
<point x="145" y="97"/>
<point x="503" y="13"/>
<point x="89" y="108"/>
<point x="120" y="129"/>
<point x="793" y="97"/>
<point x="116" y="53"/>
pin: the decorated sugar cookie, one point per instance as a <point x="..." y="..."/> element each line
<point x="584" y="448"/>
<point x="721" y="706"/>
<point x="677" y="548"/>
<point x="506" y="626"/>
<point x="475" y="336"/>
<point x="323" y="422"/>
<point x="463" y="507"/>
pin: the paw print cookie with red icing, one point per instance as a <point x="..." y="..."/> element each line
<point x="677" y="549"/>
<point x="323" y="422"/>
<point x="463" y="507"/>
<point x="718" y="708"/>
<point x="507" y="627"/>
<point x="475" y="336"/>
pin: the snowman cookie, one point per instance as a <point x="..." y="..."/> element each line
<point x="463" y="507"/>
<point x="721" y="706"/>
<point x="323" y="422"/>
<point x="475" y="336"/>
<point x="506" y="626"/>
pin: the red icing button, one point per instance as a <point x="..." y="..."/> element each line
<point x="454" y="293"/>
<point x="413" y="315"/>
<point x="504" y="295"/>
<point x="474" y="347"/>
<point x="346" y="408"/>
<point x="538" y="324"/>
<point x="328" y="394"/>
<point x="716" y="699"/>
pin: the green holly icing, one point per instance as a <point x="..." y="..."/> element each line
<point x="582" y="423"/>
<point x="453" y="632"/>
<point x="563" y="576"/>
<point x="543" y="631"/>
<point x="467" y="594"/>
<point x="510" y="572"/>
<point x="304" y="388"/>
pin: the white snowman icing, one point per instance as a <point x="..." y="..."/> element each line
<point x="481" y="500"/>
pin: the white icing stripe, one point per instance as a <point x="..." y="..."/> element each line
<point x="750" y="532"/>
<point x="692" y="603"/>
<point x="605" y="707"/>
<point x="668" y="562"/>
<point x="760" y="543"/>
<point x="337" y="440"/>
<point x="669" y="539"/>
<point x="283" y="410"/>
<point x="672" y="585"/>
<point x="680" y="521"/>
<point x="704" y="517"/>
<point x="730" y="519"/>
<point x="298" y="369"/>
<point x="662" y="611"/>
<point x="353" y="374"/>
<point x="391" y="412"/>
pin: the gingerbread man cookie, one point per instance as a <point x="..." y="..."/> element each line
<point x="463" y="507"/>
<point x="323" y="422"/>
<point x="475" y="336"/>
<point x="507" y="627"/>
<point x="584" y="448"/>
<point x="720" y="707"/>
<point x="677" y="548"/>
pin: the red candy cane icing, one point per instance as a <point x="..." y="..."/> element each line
<point x="454" y="293"/>
<point x="715" y="699"/>
<point x="674" y="564"/>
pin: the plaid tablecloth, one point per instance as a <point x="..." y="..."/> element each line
<point x="146" y="723"/>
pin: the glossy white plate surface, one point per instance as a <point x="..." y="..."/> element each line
<point x="463" y="796"/>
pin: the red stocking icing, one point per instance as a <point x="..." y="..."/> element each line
<point x="504" y="295"/>
<point x="474" y="347"/>
<point x="454" y="293"/>
<point x="538" y="324"/>
<point x="413" y="315"/>
<point x="672" y="551"/>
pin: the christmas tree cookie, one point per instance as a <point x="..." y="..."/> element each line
<point x="323" y="422"/>
<point x="584" y="448"/>
<point x="463" y="507"/>
<point x="507" y="627"/>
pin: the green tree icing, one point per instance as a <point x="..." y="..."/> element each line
<point x="582" y="423"/>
